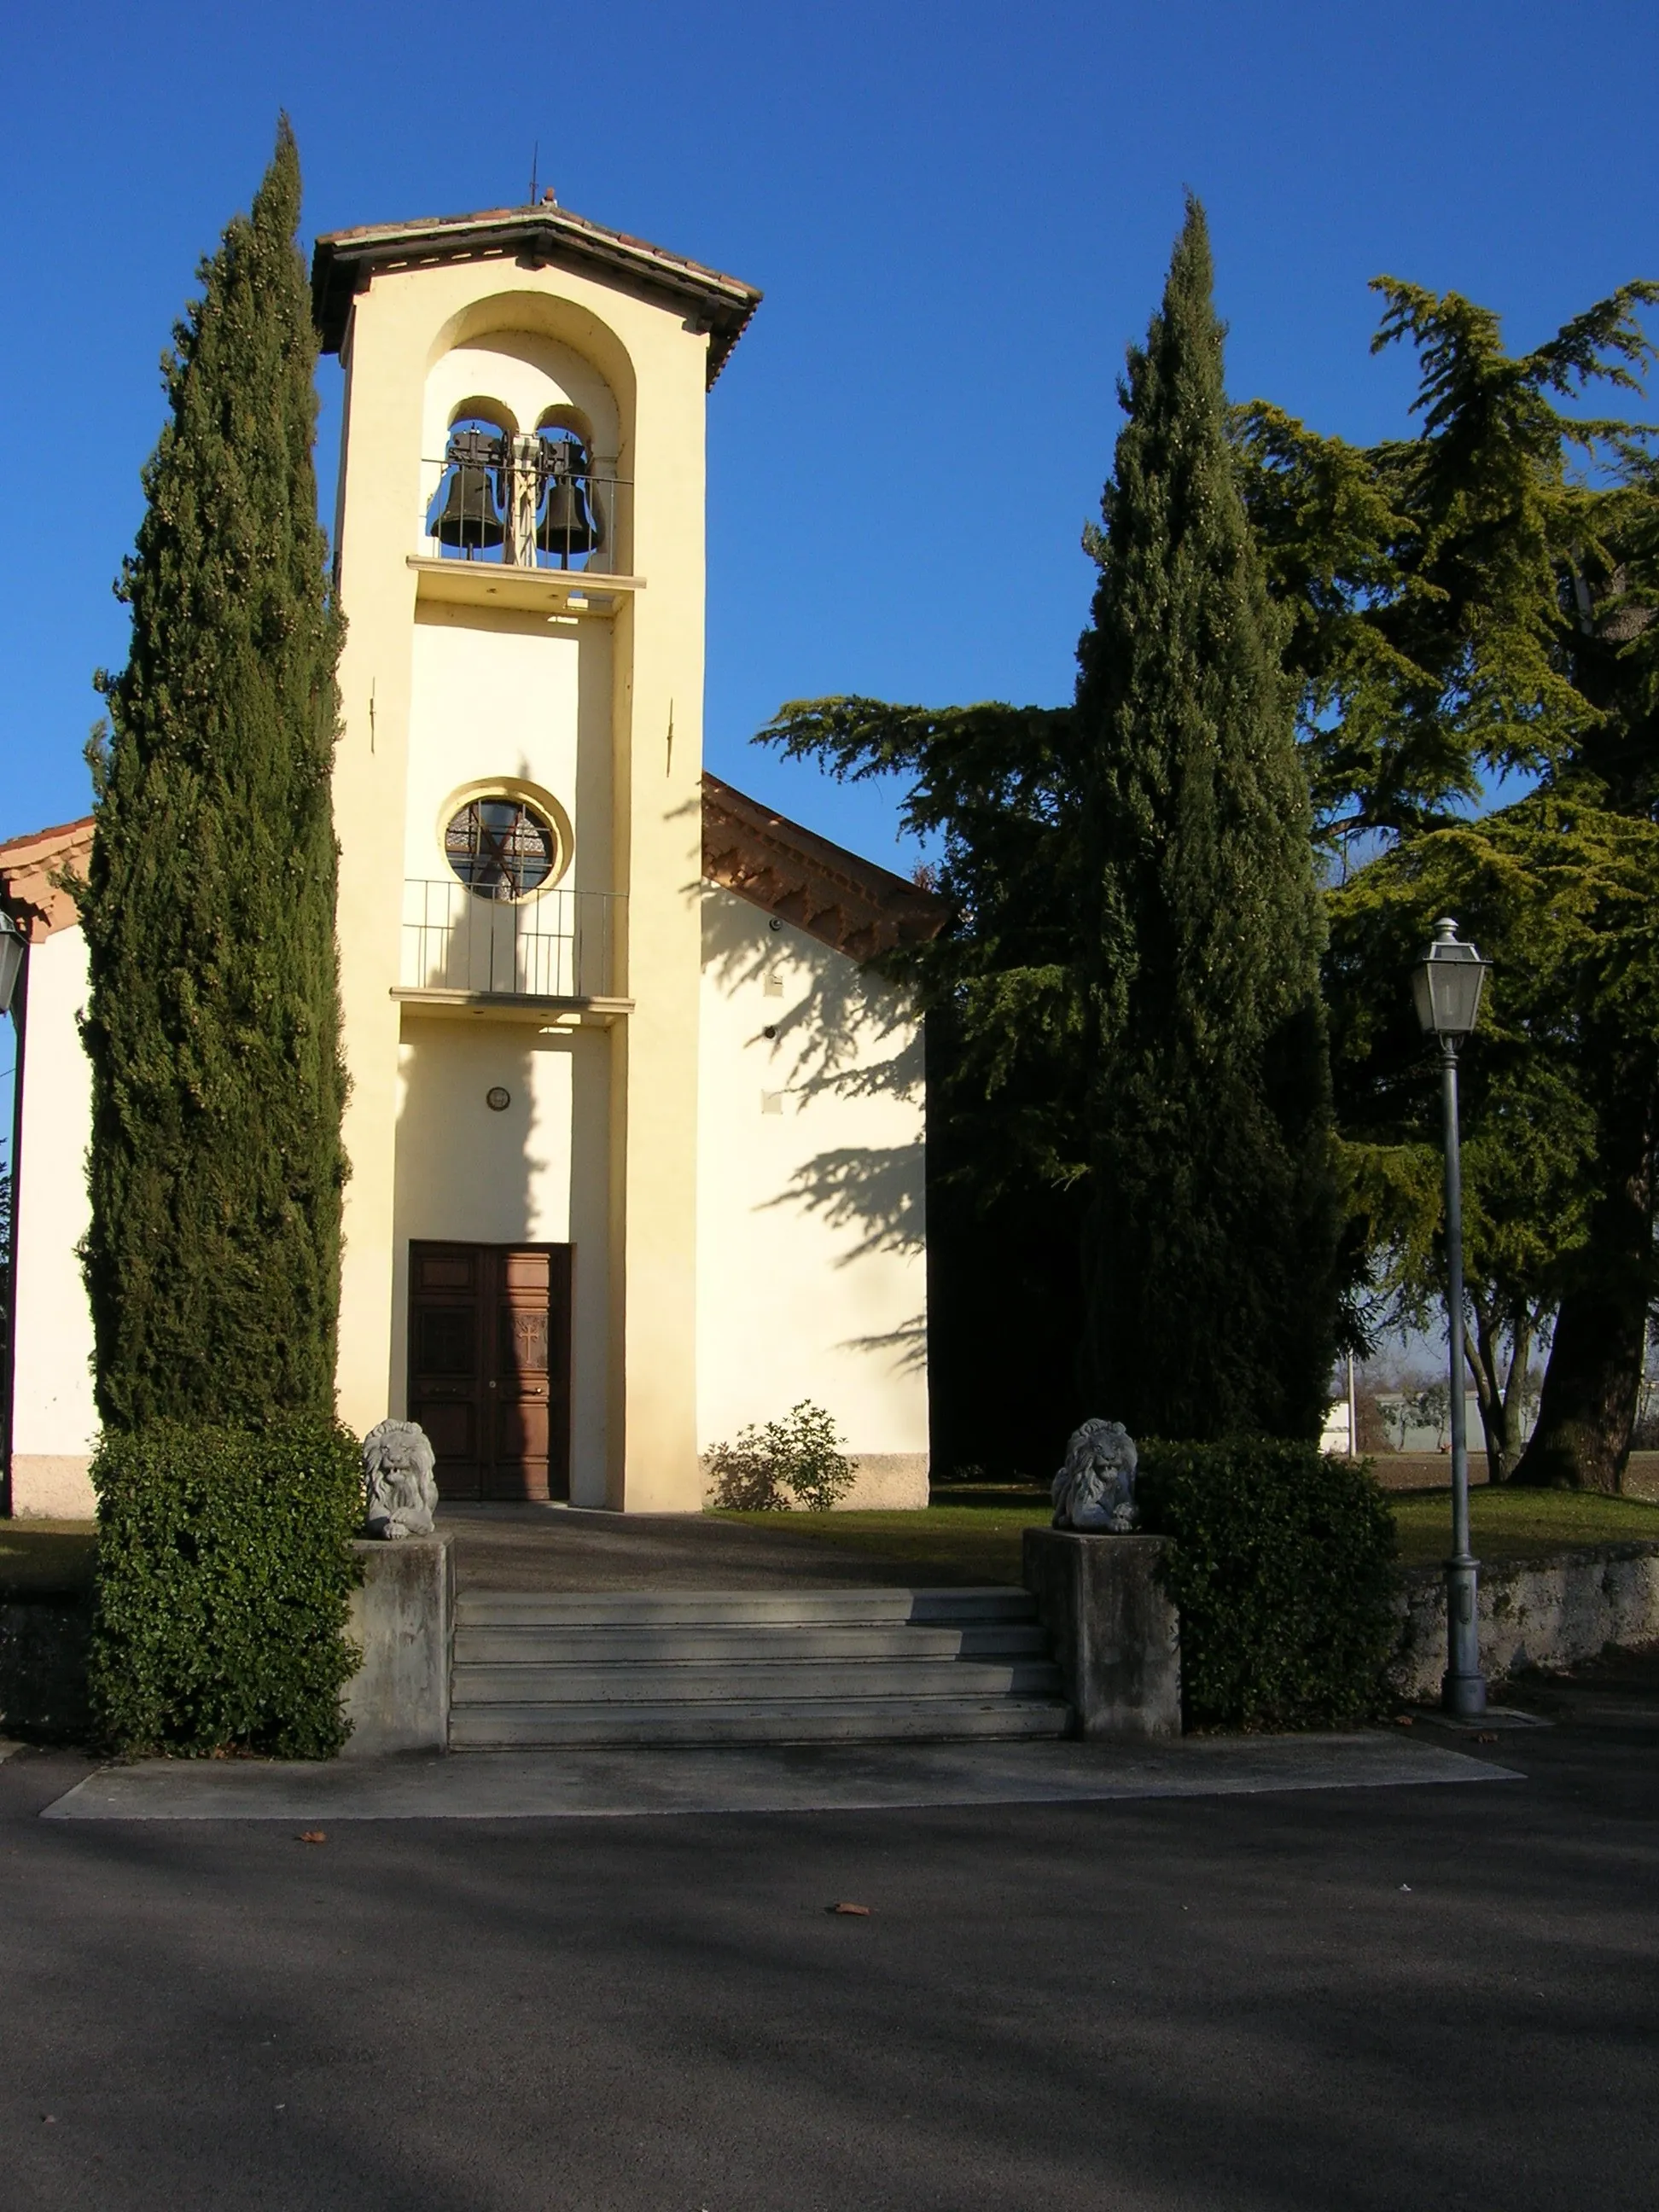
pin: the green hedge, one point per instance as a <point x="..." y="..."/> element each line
<point x="1281" y="1561"/>
<point x="224" y="1570"/>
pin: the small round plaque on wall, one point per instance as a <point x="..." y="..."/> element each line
<point x="498" y="1100"/>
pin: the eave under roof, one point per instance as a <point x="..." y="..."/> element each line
<point x="27" y="867"/>
<point x="854" y="905"/>
<point x="345" y="262"/>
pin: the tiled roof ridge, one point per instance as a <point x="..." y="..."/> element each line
<point x="342" y="261"/>
<point x="549" y="213"/>
<point x="68" y="831"/>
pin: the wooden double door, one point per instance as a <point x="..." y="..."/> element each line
<point x="490" y="1366"/>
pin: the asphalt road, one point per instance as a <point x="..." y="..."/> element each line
<point x="1355" y="1998"/>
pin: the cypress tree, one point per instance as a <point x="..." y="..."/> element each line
<point x="1213" y="1232"/>
<point x="216" y="1169"/>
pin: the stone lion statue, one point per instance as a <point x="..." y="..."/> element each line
<point x="1095" y="1488"/>
<point x="400" y="1487"/>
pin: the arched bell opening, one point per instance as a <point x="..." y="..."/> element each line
<point x="469" y="514"/>
<point x="546" y="488"/>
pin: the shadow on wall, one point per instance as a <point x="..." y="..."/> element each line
<point x="842" y="1033"/>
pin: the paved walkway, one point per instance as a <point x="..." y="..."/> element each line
<point x="771" y="1778"/>
<point x="1266" y="2000"/>
<point x="1273" y="2000"/>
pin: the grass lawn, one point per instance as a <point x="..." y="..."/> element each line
<point x="973" y="1535"/>
<point x="1520" y="1524"/>
<point x="55" y="1555"/>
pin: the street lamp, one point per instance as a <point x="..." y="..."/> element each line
<point x="11" y="958"/>
<point x="1446" y="985"/>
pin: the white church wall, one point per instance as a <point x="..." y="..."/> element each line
<point x="55" y="1421"/>
<point x="811" y="1198"/>
<point x="534" y="1173"/>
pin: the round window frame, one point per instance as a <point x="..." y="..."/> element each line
<point x="521" y="793"/>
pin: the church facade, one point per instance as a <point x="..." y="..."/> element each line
<point x="636" y="1136"/>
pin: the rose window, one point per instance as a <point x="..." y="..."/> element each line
<point x="502" y="848"/>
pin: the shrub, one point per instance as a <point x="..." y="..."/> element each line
<point x="796" y="1461"/>
<point x="224" y="1569"/>
<point x="1281" y="1562"/>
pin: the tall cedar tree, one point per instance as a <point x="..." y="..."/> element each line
<point x="1471" y="598"/>
<point x="213" y="1025"/>
<point x="1215" y="1225"/>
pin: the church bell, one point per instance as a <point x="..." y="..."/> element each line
<point x="469" y="518"/>
<point x="570" y="521"/>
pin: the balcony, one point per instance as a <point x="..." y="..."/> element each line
<point x="520" y="957"/>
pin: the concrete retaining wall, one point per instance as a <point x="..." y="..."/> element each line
<point x="1552" y="1613"/>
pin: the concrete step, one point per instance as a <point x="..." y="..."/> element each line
<point x="844" y="1720"/>
<point x="787" y="1666"/>
<point x="741" y="1681"/>
<point x="733" y="1608"/>
<point x="558" y="1643"/>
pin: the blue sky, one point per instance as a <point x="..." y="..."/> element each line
<point x="959" y="214"/>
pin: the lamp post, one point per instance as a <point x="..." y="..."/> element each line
<point x="1446" y="985"/>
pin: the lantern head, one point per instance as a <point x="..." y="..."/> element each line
<point x="1447" y="983"/>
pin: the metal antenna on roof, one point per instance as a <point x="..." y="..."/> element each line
<point x="535" y="157"/>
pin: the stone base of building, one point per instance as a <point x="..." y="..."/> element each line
<point x="402" y="1615"/>
<point x="888" y="1482"/>
<point x="51" y="1487"/>
<point x="1116" y="1637"/>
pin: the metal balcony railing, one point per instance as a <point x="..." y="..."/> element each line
<point x="523" y="503"/>
<point x="559" y="946"/>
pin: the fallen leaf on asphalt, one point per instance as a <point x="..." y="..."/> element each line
<point x="862" y="1911"/>
<point x="312" y="1835"/>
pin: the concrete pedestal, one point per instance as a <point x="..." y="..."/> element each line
<point x="403" y="1614"/>
<point x="1116" y="1636"/>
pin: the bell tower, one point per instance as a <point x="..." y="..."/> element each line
<point x="519" y="552"/>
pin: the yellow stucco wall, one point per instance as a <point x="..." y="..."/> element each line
<point x="414" y="700"/>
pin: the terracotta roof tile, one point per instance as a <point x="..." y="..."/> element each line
<point x="844" y="900"/>
<point x="28" y="865"/>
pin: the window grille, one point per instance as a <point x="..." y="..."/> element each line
<point x="502" y="848"/>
